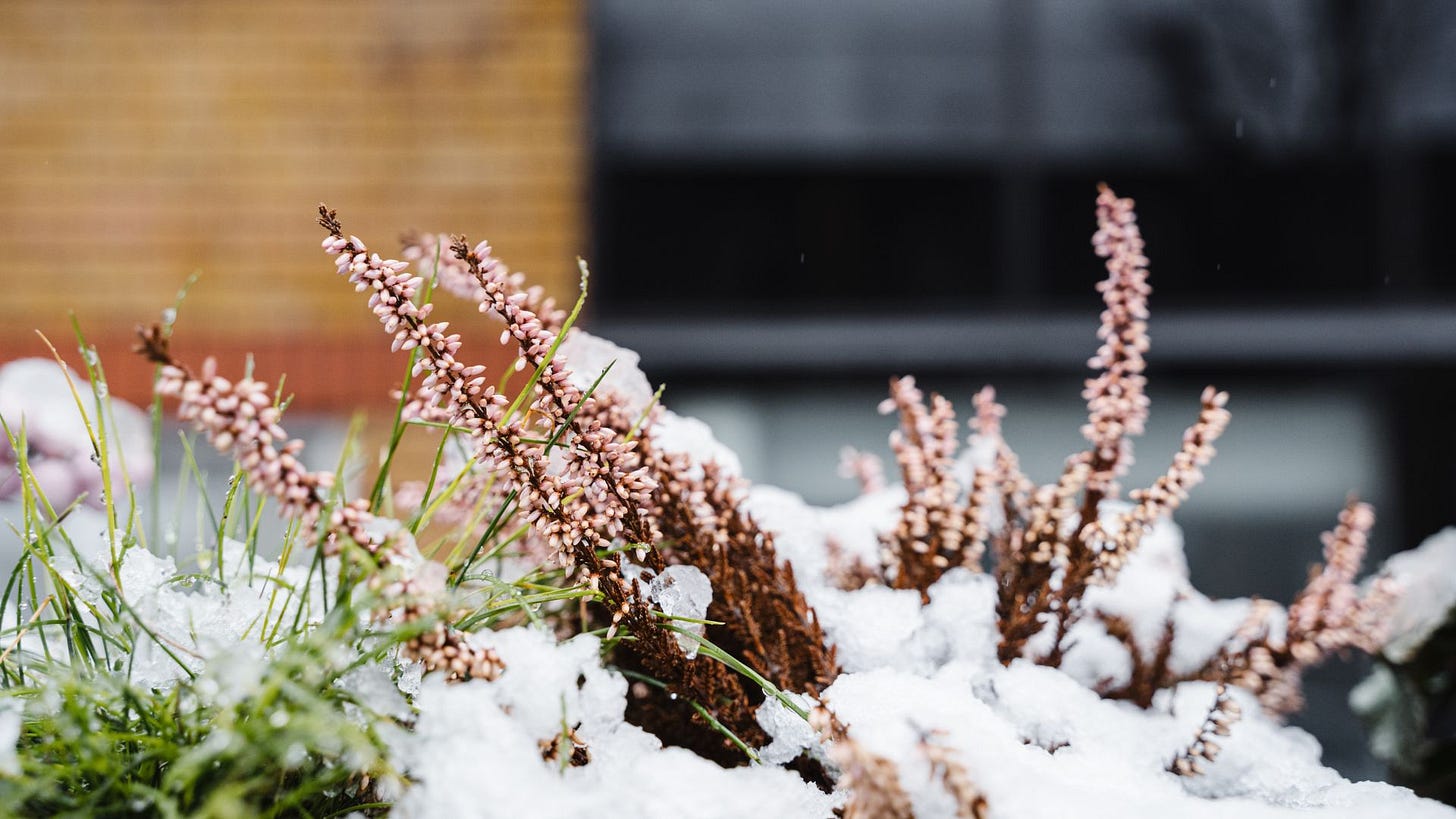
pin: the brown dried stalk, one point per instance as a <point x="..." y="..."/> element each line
<point x="1149" y="673"/>
<point x="1329" y="616"/>
<point x="1222" y="714"/>
<point x="848" y="572"/>
<point x="970" y="802"/>
<point x="873" y="781"/>
<point x="934" y="522"/>
<point x="1054" y="548"/>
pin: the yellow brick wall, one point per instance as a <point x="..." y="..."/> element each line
<point x="142" y="140"/>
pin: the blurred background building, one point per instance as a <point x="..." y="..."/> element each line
<point x="787" y="202"/>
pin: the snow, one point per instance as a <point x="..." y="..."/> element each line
<point x="1041" y="745"/>
<point x="1428" y="593"/>
<point x="673" y="433"/>
<point x="35" y="392"/>
<point x="587" y="356"/>
<point x="209" y="621"/>
<point x="801" y="532"/>
<point x="1036" y="739"/>
<point x="475" y="750"/>
<point x="9" y="736"/>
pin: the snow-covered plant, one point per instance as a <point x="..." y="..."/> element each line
<point x="1407" y="700"/>
<point x="129" y="687"/>
<point x="1052" y="544"/>
<point x="583" y="607"/>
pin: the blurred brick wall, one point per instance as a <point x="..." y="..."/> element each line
<point x="143" y="140"/>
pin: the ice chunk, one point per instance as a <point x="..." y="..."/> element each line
<point x="683" y="591"/>
<point x="789" y="732"/>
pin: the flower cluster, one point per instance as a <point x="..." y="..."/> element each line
<point x="934" y="522"/>
<point x="581" y="509"/>
<point x="597" y="455"/>
<point x="432" y="256"/>
<point x="1117" y="405"/>
<point x="242" y="419"/>
<point x="1170" y="489"/>
<point x="419" y="595"/>
<point x="865" y="469"/>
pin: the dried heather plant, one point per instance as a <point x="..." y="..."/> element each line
<point x="700" y="514"/>
<point x="693" y="514"/>
<point x="1054" y="543"/>
<point x="934" y="522"/>
<point x="1330" y="615"/>
<point x="1222" y="714"/>
<point x="583" y="507"/>
<point x="1117" y="404"/>
<point x="761" y="614"/>
<point x="1049" y="543"/>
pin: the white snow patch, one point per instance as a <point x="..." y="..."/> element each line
<point x="35" y="394"/>
<point x="1427" y="578"/>
<point x="475" y="750"/>
<point x="587" y="356"/>
<point x="675" y="433"/>
<point x="10" y="719"/>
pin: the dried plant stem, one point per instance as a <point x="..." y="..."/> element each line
<point x="1330" y="615"/>
<point x="1204" y="748"/>
<point x="1054" y="543"/>
<point x="946" y="765"/>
